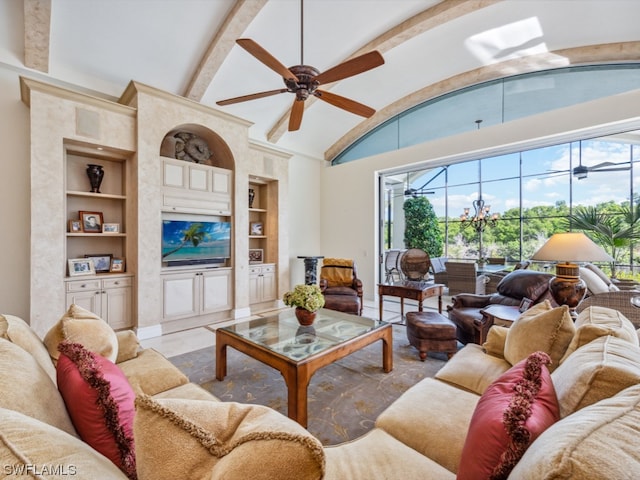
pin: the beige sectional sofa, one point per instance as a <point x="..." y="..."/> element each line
<point x="181" y="431"/>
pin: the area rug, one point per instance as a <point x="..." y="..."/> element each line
<point x="344" y="398"/>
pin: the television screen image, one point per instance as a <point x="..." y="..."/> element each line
<point x="195" y="242"/>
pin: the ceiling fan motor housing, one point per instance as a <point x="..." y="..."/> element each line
<point x="305" y="85"/>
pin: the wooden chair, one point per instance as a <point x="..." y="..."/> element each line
<point x="462" y="277"/>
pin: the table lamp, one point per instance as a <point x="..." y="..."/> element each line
<point x="567" y="288"/>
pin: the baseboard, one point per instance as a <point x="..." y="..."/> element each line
<point x="144" y="333"/>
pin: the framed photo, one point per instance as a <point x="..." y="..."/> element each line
<point x="256" y="228"/>
<point x="117" y="265"/>
<point x="75" y="226"/>
<point x="256" y="255"/>
<point x="101" y="261"/>
<point x="525" y="304"/>
<point x="81" y="266"/>
<point x="110" y="228"/>
<point x="91" y="221"/>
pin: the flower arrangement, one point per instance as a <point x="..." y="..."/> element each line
<point x="308" y="297"/>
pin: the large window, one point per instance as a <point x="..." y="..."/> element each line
<point x="533" y="193"/>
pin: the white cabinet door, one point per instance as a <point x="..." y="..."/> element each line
<point x="89" y="300"/>
<point x="269" y="291"/>
<point x="181" y="295"/>
<point x="116" y="307"/>
<point x="216" y="290"/>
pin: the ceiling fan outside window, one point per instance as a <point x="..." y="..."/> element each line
<point x="581" y="171"/>
<point x="304" y="80"/>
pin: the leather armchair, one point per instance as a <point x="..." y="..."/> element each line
<point x="466" y="309"/>
<point x="340" y="285"/>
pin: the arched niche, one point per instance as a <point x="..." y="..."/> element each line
<point x="190" y="141"/>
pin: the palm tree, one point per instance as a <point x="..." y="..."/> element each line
<point x="194" y="234"/>
<point x="615" y="230"/>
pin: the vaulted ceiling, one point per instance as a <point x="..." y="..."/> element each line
<point x="188" y="48"/>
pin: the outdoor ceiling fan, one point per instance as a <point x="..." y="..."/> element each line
<point x="304" y="80"/>
<point x="581" y="171"/>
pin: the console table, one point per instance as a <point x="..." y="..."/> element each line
<point x="413" y="290"/>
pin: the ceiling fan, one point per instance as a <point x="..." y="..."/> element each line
<point x="304" y="80"/>
<point x="581" y="171"/>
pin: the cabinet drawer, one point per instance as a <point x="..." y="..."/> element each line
<point x="255" y="270"/>
<point x="195" y="203"/>
<point x="83" y="285"/>
<point x="117" y="282"/>
<point x="268" y="268"/>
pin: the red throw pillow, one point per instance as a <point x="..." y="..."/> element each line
<point x="100" y="402"/>
<point x="510" y="415"/>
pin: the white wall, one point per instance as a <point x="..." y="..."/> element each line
<point x="15" y="196"/>
<point x="349" y="191"/>
<point x="305" y="210"/>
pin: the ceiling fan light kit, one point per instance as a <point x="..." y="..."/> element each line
<point x="304" y="80"/>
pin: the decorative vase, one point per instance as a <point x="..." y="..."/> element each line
<point x="252" y="195"/>
<point x="95" y="174"/>
<point x="305" y="317"/>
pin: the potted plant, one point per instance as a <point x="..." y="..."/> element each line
<point x="307" y="299"/>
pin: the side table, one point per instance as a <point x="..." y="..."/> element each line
<point x="501" y="315"/>
<point x="413" y="290"/>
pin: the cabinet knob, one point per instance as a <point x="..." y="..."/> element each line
<point x="84" y="285"/>
<point x="117" y="282"/>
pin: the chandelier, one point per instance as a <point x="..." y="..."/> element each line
<point x="482" y="216"/>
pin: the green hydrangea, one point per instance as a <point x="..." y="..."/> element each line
<point x="308" y="297"/>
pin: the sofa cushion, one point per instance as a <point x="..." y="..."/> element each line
<point x="128" y="345"/>
<point x="510" y="415"/>
<point x="432" y="418"/>
<point x="178" y="438"/>
<point x="151" y="373"/>
<point x="472" y="369"/>
<point x="597" y="370"/>
<point x="27" y="388"/>
<point x="599" y="441"/>
<point x="541" y="328"/>
<point x="18" y="332"/>
<point x="81" y="326"/>
<point x="100" y="402"/>
<point x="524" y="283"/>
<point x="594" y="322"/>
<point x="595" y="284"/>
<point x="496" y="337"/>
<point x="27" y="444"/>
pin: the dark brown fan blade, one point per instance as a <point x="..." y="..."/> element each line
<point x="253" y="96"/>
<point x="351" y="67"/>
<point x="345" y="103"/>
<point x="265" y="57"/>
<point x="295" y="117"/>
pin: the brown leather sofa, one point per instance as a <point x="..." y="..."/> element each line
<point x="465" y="310"/>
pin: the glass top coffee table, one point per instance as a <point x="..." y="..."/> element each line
<point x="297" y="352"/>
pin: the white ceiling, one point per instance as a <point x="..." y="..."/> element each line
<point x="101" y="45"/>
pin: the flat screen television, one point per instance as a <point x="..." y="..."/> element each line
<point x="187" y="242"/>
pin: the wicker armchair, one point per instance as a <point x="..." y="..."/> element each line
<point x="620" y="300"/>
<point x="462" y="277"/>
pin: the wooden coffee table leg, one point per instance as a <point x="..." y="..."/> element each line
<point x="221" y="358"/>
<point x="387" y="351"/>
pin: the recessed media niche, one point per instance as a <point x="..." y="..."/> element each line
<point x="195" y="240"/>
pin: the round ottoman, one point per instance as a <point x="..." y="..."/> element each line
<point x="431" y="332"/>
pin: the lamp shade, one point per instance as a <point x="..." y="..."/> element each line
<point x="571" y="247"/>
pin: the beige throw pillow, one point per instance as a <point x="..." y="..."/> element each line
<point x="541" y="328"/>
<point x="81" y="326"/>
<point x="594" y="322"/>
<point x="599" y="441"/>
<point x="178" y="438"/>
<point x="598" y="370"/>
<point x="19" y="333"/>
<point x="496" y="338"/>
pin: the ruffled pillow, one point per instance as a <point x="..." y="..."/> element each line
<point x="509" y="416"/>
<point x="100" y="402"/>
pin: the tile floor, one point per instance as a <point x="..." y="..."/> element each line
<point x="197" y="338"/>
